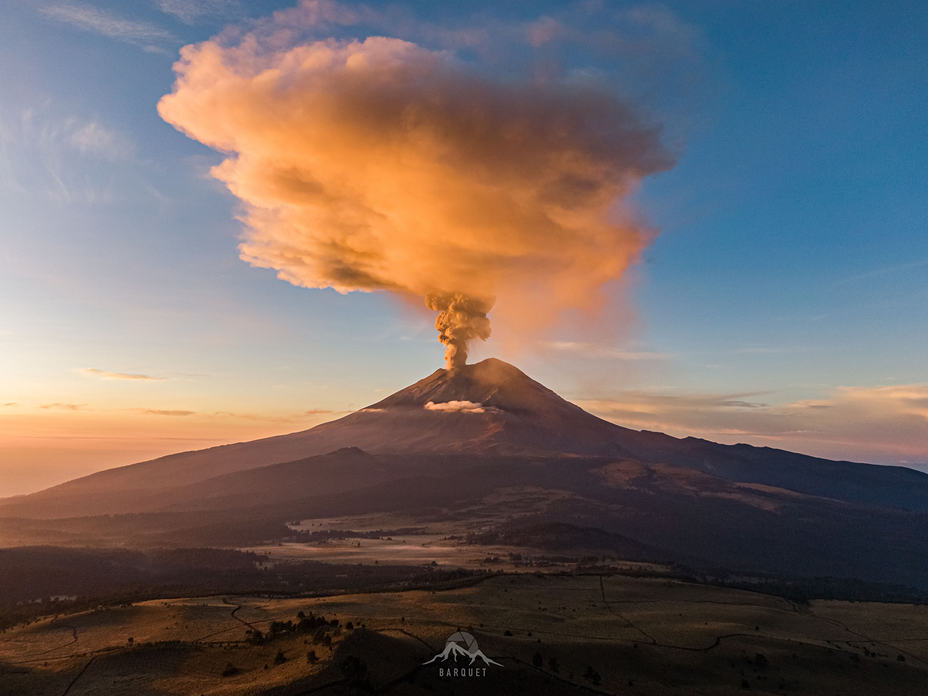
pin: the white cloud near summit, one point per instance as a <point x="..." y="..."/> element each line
<point x="455" y="406"/>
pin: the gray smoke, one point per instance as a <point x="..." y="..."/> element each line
<point x="460" y="319"/>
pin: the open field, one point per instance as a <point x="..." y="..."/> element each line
<point x="418" y="549"/>
<point x="441" y="540"/>
<point x="551" y="633"/>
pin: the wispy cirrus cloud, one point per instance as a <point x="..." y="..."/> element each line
<point x="62" y="406"/>
<point x="193" y="11"/>
<point x="764" y="350"/>
<point x="132" y="376"/>
<point x="65" y="157"/>
<point x="886" y="424"/>
<point x="596" y="350"/>
<point x="888" y="270"/>
<point x="166" y="412"/>
<point x="94" y="20"/>
<point x="257" y="417"/>
<point x="649" y="408"/>
<point x="93" y="138"/>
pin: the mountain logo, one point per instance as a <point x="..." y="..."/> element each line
<point x="462" y="644"/>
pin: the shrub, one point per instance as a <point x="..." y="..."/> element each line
<point x="592" y="676"/>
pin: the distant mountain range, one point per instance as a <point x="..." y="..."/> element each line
<point x="456" y="439"/>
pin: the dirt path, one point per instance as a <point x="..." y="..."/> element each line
<point x="237" y="618"/>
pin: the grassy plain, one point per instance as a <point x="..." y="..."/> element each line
<point x="552" y="634"/>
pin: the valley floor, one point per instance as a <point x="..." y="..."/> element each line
<point x="550" y="633"/>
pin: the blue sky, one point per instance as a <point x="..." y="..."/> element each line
<point x="783" y="301"/>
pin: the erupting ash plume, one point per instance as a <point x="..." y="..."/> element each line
<point x="460" y="319"/>
<point x="383" y="165"/>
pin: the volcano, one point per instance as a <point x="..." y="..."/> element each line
<point x="486" y="439"/>
<point x="490" y="407"/>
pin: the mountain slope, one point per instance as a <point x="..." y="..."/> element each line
<point x="489" y="409"/>
<point x="516" y="416"/>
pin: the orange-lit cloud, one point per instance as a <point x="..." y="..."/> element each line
<point x="884" y="423"/>
<point x="383" y="165"/>
<point x="103" y="374"/>
<point x="64" y="406"/>
<point x="166" y="412"/>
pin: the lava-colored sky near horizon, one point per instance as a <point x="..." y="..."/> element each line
<point x="740" y="186"/>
